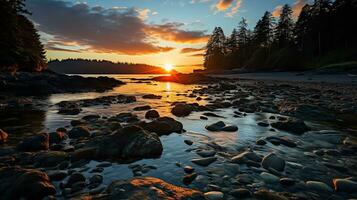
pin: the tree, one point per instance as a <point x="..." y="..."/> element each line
<point x="215" y="49"/>
<point x="232" y="42"/>
<point x="263" y="31"/>
<point x="284" y="29"/>
<point x="243" y="35"/>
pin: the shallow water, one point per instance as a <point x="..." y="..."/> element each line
<point x="175" y="150"/>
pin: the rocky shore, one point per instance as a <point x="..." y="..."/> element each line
<point x="305" y="147"/>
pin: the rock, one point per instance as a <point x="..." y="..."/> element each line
<point x="77" y="123"/>
<point x="152" y="96"/>
<point x="292" y="125"/>
<point x="209" y="114"/>
<point x="214" y="195"/>
<point x="188" y="169"/>
<point x="96" y="179"/>
<point x="203" y="118"/>
<point x="187" y="179"/>
<point x="344" y="185"/>
<point x="267" y="195"/>
<point x="163" y="126"/>
<point x="273" y="161"/>
<point x="318" y="186"/>
<point x="75" y="178"/>
<point x="78" y="132"/>
<point x="206" y="153"/>
<point x="68" y="108"/>
<point x="230" y="128"/>
<point x="218" y="126"/>
<point x="181" y="110"/>
<point x="49" y="158"/>
<point x="86" y="153"/>
<point x="152" y="114"/>
<point x="91" y="117"/>
<point x="34" y="143"/>
<point x="260" y="142"/>
<point x="141" y="108"/>
<point x="57" y="175"/>
<point x="246" y="156"/>
<point x="3" y="136"/>
<point x="150" y="188"/>
<point x="57" y="137"/>
<point x="20" y="183"/>
<point x="131" y="142"/>
<point x="204" y="161"/>
<point x="269" y="178"/>
<point x="244" y="178"/>
<point x="287" y="181"/>
<point x="281" y="140"/>
<point x="240" y="193"/>
<point x="188" y="142"/>
<point x="263" y="124"/>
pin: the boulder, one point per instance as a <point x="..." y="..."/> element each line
<point x="344" y="185"/>
<point x="291" y="125"/>
<point x="163" y="126"/>
<point x="49" y="158"/>
<point x="34" y="143"/>
<point x="218" y="126"/>
<point x="20" y="183"/>
<point x="3" y="136"/>
<point x="181" y="110"/>
<point x="152" y="114"/>
<point x="79" y="132"/>
<point x="150" y="188"/>
<point x="272" y="161"/>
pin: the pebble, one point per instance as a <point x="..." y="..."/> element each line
<point x="214" y="195"/>
<point x="273" y="161"/>
<point x="188" y="169"/>
<point x="269" y="178"/>
<point x="204" y="161"/>
<point x="187" y="179"/>
<point x="318" y="186"/>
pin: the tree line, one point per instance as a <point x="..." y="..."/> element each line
<point x="20" y="46"/>
<point x="325" y="32"/>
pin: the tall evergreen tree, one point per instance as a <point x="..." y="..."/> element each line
<point x="215" y="49"/>
<point x="263" y="32"/>
<point x="243" y="35"/>
<point x="284" y="29"/>
<point x="232" y="42"/>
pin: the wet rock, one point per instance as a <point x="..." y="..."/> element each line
<point x="188" y="169"/>
<point x="152" y="96"/>
<point x="318" y="186"/>
<point x="203" y="118"/>
<point x="181" y="110"/>
<point x="57" y="175"/>
<point x="125" y="117"/>
<point x="214" y="195"/>
<point x="83" y="154"/>
<point x="104" y="164"/>
<point x="96" y="179"/>
<point x="141" y="108"/>
<point x="269" y="178"/>
<point x="265" y="195"/>
<point x="49" y="158"/>
<point x="292" y="125"/>
<point x="245" y="157"/>
<point x="91" y="117"/>
<point x="209" y="114"/>
<point x="188" y="142"/>
<point x="206" y="153"/>
<point x="204" y="161"/>
<point x="230" y="128"/>
<point x="263" y="124"/>
<point x="75" y="178"/>
<point x="3" y="136"/>
<point x="218" y="126"/>
<point x="244" y="178"/>
<point x="78" y="132"/>
<point x="57" y="137"/>
<point x="19" y="183"/>
<point x="273" y="161"/>
<point x="131" y="142"/>
<point x="287" y="181"/>
<point x="187" y="179"/>
<point x="77" y="123"/>
<point x="163" y="126"/>
<point x="152" y="114"/>
<point x="240" y="193"/>
<point x="68" y="108"/>
<point x="150" y="188"/>
<point x="281" y="140"/>
<point x="34" y="143"/>
<point x="261" y="142"/>
<point x="345" y="185"/>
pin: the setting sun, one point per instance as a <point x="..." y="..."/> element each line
<point x="168" y="67"/>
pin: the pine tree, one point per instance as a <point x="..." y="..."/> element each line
<point x="215" y="49"/>
<point x="232" y="42"/>
<point x="263" y="32"/>
<point x="284" y="29"/>
<point x="243" y="35"/>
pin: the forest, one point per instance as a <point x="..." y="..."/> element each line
<point x="21" y="49"/>
<point x="324" y="33"/>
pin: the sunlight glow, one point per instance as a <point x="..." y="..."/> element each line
<point x="168" y="67"/>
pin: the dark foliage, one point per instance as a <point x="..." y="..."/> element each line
<point x="323" y="34"/>
<point x="20" y="47"/>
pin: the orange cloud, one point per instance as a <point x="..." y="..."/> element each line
<point x="298" y="5"/>
<point x="235" y="9"/>
<point x="223" y="5"/>
<point x="191" y="50"/>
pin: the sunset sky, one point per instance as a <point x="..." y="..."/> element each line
<point x="155" y="32"/>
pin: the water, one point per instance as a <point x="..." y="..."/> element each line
<point x="175" y="150"/>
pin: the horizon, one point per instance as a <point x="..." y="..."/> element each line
<point x="156" y="33"/>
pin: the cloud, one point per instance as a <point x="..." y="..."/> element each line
<point x="277" y="11"/>
<point x="115" y="30"/>
<point x="297" y="6"/>
<point x="235" y="9"/>
<point x="223" y="5"/>
<point x="191" y="50"/>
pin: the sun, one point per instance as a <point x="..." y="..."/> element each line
<point x="168" y="67"/>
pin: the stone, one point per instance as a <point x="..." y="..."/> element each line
<point x="206" y="153"/>
<point x="269" y="178"/>
<point x="344" y="185"/>
<point x="214" y="195"/>
<point x="240" y="193"/>
<point x="187" y="179"/>
<point x="292" y="125"/>
<point x="74" y="178"/>
<point x="57" y="137"/>
<point x="230" y="128"/>
<point x="246" y="156"/>
<point x="20" y="183"/>
<point x="181" y="110"/>
<point x="318" y="186"/>
<point x="204" y="161"/>
<point x="49" y="158"/>
<point x="3" y="136"/>
<point x="79" y="132"/>
<point x="188" y="169"/>
<point x="96" y="179"/>
<point x="163" y="126"/>
<point x="287" y="181"/>
<point x="152" y="96"/>
<point x="273" y="161"/>
<point x="150" y="188"/>
<point x="188" y="142"/>
<point x="261" y="142"/>
<point x="91" y="117"/>
<point x="218" y="126"/>
<point x="281" y="140"/>
<point x="141" y="108"/>
<point x="57" y="175"/>
<point x="34" y="143"/>
<point x="263" y="124"/>
<point x="152" y="114"/>
<point x="267" y="195"/>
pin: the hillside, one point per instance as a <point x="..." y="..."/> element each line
<point x="82" y="66"/>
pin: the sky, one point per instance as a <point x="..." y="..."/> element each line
<point x="155" y="32"/>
